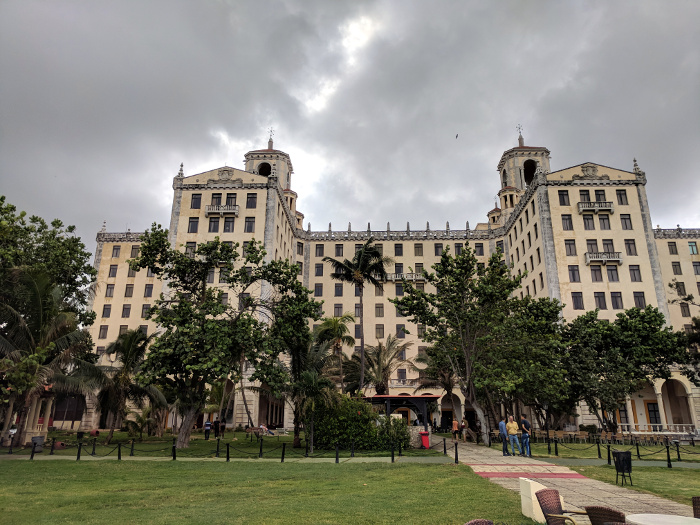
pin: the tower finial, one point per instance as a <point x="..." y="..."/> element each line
<point x="269" y="141"/>
<point x="180" y="173"/>
<point x="521" y="141"/>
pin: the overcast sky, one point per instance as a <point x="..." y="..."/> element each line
<point x="100" y="102"/>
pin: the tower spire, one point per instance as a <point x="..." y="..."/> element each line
<point x="521" y="140"/>
<point x="269" y="140"/>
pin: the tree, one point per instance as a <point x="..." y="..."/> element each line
<point x="119" y="385"/>
<point x="142" y="421"/>
<point x="383" y="360"/>
<point x="435" y="372"/>
<point x="367" y="266"/>
<point x="203" y="338"/>
<point x="607" y="361"/>
<point x="464" y="315"/>
<point x="335" y="330"/>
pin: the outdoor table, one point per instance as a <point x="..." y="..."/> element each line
<point x="660" y="519"/>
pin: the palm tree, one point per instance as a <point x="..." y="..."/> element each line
<point x="366" y="266"/>
<point x="119" y="384"/>
<point x="383" y="360"/>
<point x="436" y="373"/>
<point x="142" y="421"/>
<point x="310" y="392"/>
<point x="335" y="331"/>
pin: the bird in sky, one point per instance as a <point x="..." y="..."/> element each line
<point x="457" y="135"/>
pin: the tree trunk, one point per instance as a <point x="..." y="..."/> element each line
<point x="362" y="340"/>
<point x="245" y="404"/>
<point x="111" y="429"/>
<point x="297" y="429"/>
<point x="339" y="353"/>
<point x="188" y="420"/>
<point x="22" y="423"/>
<point x="311" y="434"/>
<point x="480" y="415"/>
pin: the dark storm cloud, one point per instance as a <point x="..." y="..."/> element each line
<point x="101" y="101"/>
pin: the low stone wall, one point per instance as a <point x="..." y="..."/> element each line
<point x="414" y="433"/>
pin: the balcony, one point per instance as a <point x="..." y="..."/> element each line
<point x="221" y="209"/>
<point x="406" y="276"/>
<point x="402" y="382"/>
<point x="596" y="206"/>
<point x="604" y="257"/>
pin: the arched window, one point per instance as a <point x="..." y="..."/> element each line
<point x="529" y="168"/>
<point x="504" y="179"/>
<point x="264" y="169"/>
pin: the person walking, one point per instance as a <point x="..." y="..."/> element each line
<point x="207" y="429"/>
<point x="455" y="428"/>
<point x="223" y="426"/>
<point x="526" y="428"/>
<point x="217" y="427"/>
<point x="503" y="434"/>
<point x="512" y="428"/>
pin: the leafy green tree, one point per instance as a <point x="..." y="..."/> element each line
<point x="143" y="420"/>
<point x="335" y="330"/>
<point x="383" y="360"/>
<point x="368" y="265"/>
<point x="203" y="338"/>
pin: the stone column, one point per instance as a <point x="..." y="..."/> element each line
<point x="47" y="414"/>
<point x="8" y="418"/>
<point x="691" y="408"/>
<point x="30" y="415"/>
<point x="662" y="411"/>
<point x="37" y="413"/>
<point x="630" y="413"/>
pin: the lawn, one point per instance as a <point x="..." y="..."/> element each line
<point x="676" y="484"/>
<point x="246" y="492"/>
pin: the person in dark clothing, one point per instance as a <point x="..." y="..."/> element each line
<point x="223" y="426"/>
<point x="207" y="429"/>
<point x="217" y="427"/>
<point x="503" y="434"/>
<point x="526" y="427"/>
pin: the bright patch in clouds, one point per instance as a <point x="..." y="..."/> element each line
<point x="356" y="35"/>
<point x="320" y="99"/>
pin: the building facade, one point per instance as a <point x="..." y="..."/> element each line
<point x="583" y="234"/>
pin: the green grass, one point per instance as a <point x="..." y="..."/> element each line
<point x="674" y="484"/>
<point x="248" y="492"/>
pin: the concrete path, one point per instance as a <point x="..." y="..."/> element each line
<point x="576" y="489"/>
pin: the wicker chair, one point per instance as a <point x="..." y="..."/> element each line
<point x="696" y="506"/>
<point x="603" y="515"/>
<point x="550" y="503"/>
<point x="479" y="522"/>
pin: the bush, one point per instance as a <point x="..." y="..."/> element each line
<point x="591" y="429"/>
<point x="353" y="420"/>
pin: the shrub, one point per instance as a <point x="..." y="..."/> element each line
<point x="591" y="429"/>
<point x="392" y="430"/>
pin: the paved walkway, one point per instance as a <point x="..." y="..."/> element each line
<point x="576" y="489"/>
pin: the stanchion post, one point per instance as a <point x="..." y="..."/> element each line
<point x="444" y="446"/>
<point x="668" y="457"/>
<point x="53" y="445"/>
<point x="12" y="440"/>
<point x="119" y="451"/>
<point x="174" y="452"/>
<point x="609" y="454"/>
<point x="337" y="453"/>
<point x="637" y="444"/>
<point x="352" y="449"/>
<point x="33" y="449"/>
<point x="261" y="445"/>
<point x="218" y="443"/>
<point x="549" y="445"/>
<point x="456" y="454"/>
<point x="80" y="447"/>
<point x="284" y="448"/>
<point x="132" y="448"/>
<point x="600" y="456"/>
<point x="94" y="442"/>
<point x="306" y="448"/>
<point x="392" y="452"/>
<point x="556" y="447"/>
<point x="228" y="452"/>
<point x="678" y="450"/>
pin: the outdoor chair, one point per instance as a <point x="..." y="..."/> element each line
<point x="582" y="436"/>
<point x="479" y="522"/>
<point x="696" y="507"/>
<point x="550" y="503"/>
<point x="603" y="515"/>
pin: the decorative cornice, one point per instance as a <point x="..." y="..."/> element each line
<point x="677" y="233"/>
<point x="119" y="237"/>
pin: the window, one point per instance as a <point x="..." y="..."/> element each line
<point x="134" y="251"/>
<point x="109" y="292"/>
<point x="358" y="247"/>
<point x="685" y="310"/>
<point x="126" y="310"/>
<point x="101" y="349"/>
<point x="419" y="268"/>
<point x="458" y="248"/>
<point x="600" y="195"/>
<point x="421" y="286"/>
<point x="112" y="270"/>
<point x="532" y="205"/>
<point x="479" y="248"/>
<point x="591" y="245"/>
<point x="584" y="195"/>
<point x="338" y="289"/>
<point x="541" y="281"/>
<point x="300" y="248"/>
<point x="574" y="276"/>
<point x="244" y="301"/>
<point x="230" y="199"/>
<point x="672" y="248"/>
<point x="223" y="275"/>
<point x="616" y="300"/>
<point x="213" y="225"/>
<point x="421" y="330"/>
<point x="249" y="226"/>
<point x="143" y="329"/>
<point x="103" y="332"/>
<point x="680" y="288"/>
<point x="144" y="310"/>
<point x="566" y="223"/>
<point x="193" y="226"/>
<point x="338" y="310"/>
<point x="577" y="300"/>
<point x="400" y="331"/>
<point x="604" y="221"/>
<point x="398" y="249"/>
<point x="319" y="250"/>
<point x="693" y="247"/>
<point x="190" y="248"/>
<point x="613" y="276"/>
<point x="398" y="313"/>
<point x="527" y="217"/>
<point x="338" y="250"/>
<point x="676" y="265"/>
<point x="245" y="248"/>
<point x="401" y="372"/>
<point x="380" y="248"/>
<point x="210" y="275"/>
<point x="539" y="257"/>
<point x="379" y="331"/>
<point x="148" y="290"/>
<point x="596" y="273"/>
<point x="639" y="300"/>
<point x="687" y="327"/>
<point x="626" y="221"/>
<point x="107" y="310"/>
<point x="635" y="274"/>
<point x="398" y="268"/>
<point x="251" y="200"/>
<point x="630" y="247"/>
<point x="517" y="253"/>
<point x="196" y="202"/>
<point x="378" y="292"/>
<point x="696" y="268"/>
<point x="129" y="291"/>
<point x="588" y="223"/>
<point x="622" y="197"/>
<point x="418" y="249"/>
<point x="438" y="249"/>
<point x="228" y="224"/>
<point x="149" y="273"/>
<point x="399" y="289"/>
<point x="216" y="199"/>
<point x="529" y="240"/>
<point x="599" y="298"/>
<point x="570" y="245"/>
<point x="379" y="310"/>
<point x="564" y="198"/>
<point x="318" y="270"/>
<point x="358" y="291"/>
<point x="318" y="290"/>
<point x="224" y="299"/>
<point x="499" y="244"/>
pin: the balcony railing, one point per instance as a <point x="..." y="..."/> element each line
<point x="604" y="257"/>
<point x="402" y="382"/>
<point x="596" y="206"/>
<point x="407" y="276"/>
<point x="221" y="209"/>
